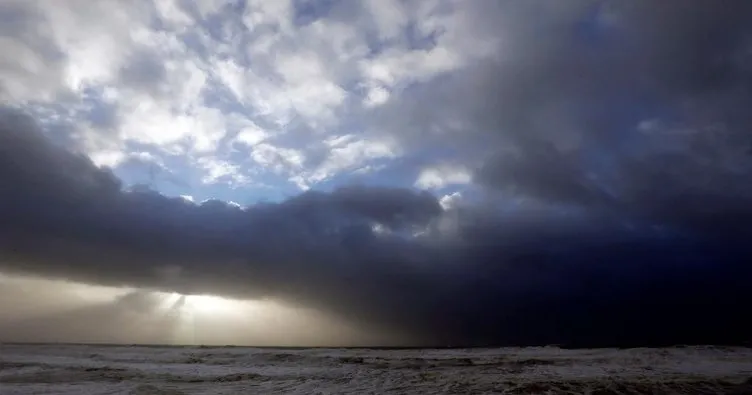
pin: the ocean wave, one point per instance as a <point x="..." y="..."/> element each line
<point x="87" y="370"/>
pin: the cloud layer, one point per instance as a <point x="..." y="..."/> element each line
<point x="588" y="162"/>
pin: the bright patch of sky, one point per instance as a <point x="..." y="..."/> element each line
<point x="240" y="101"/>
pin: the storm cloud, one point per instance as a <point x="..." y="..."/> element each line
<point x="612" y="169"/>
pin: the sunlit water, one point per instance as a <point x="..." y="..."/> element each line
<point x="90" y="369"/>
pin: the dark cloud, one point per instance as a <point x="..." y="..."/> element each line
<point x="535" y="277"/>
<point x="634" y="108"/>
<point x="623" y="126"/>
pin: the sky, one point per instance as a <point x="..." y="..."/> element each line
<point x="376" y="172"/>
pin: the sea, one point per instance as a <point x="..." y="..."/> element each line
<point x="80" y="369"/>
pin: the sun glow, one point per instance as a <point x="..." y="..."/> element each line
<point x="213" y="304"/>
<point x="208" y="306"/>
<point x="76" y="312"/>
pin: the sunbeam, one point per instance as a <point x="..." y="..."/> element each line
<point x="211" y="305"/>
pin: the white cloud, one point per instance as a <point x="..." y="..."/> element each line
<point x="390" y="17"/>
<point x="177" y="114"/>
<point x="108" y="158"/>
<point x="147" y="157"/>
<point x="349" y="152"/>
<point x="209" y="7"/>
<point x="292" y="82"/>
<point x="397" y="68"/>
<point x="443" y="175"/>
<point x="30" y="76"/>
<point x="376" y="96"/>
<point x="293" y="98"/>
<point x="260" y="14"/>
<point x="450" y="201"/>
<point x="279" y="159"/>
<point x="259" y="95"/>
<point x="113" y="157"/>
<point x="63" y="45"/>
<point x="251" y="135"/>
<point x="171" y="12"/>
<point x="217" y="170"/>
<point x="310" y="91"/>
<point x="151" y="122"/>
